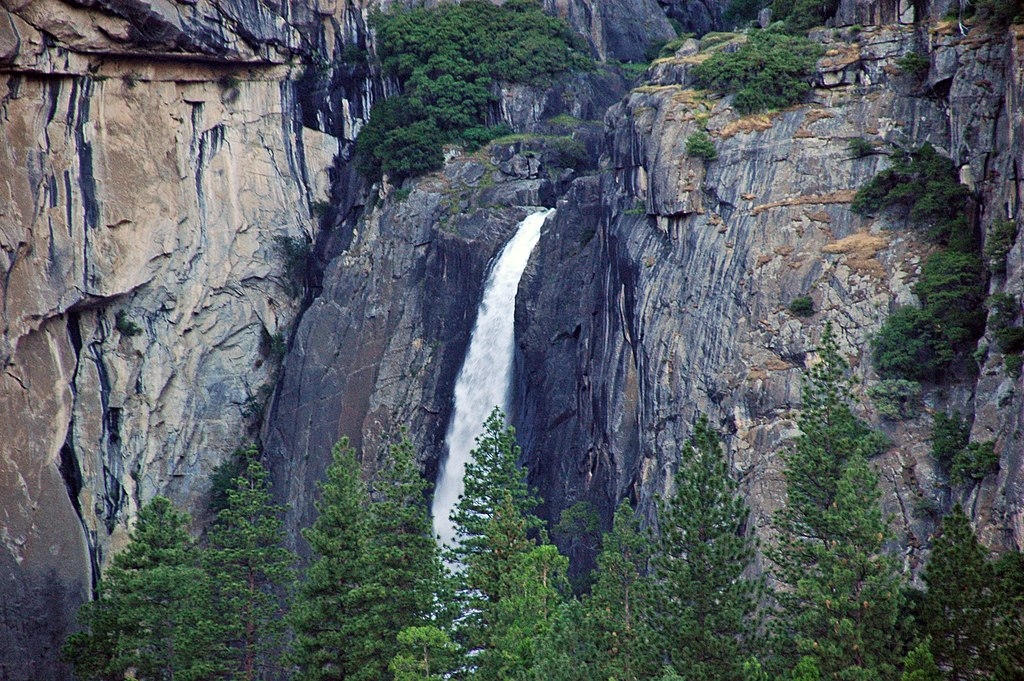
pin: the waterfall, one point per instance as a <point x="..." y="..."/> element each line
<point x="486" y="375"/>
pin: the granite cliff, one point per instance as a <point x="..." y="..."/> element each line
<point x="164" y="165"/>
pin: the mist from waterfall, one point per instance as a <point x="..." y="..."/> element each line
<point x="486" y="375"/>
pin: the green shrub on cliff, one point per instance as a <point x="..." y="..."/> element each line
<point x="926" y="186"/>
<point x="800" y="15"/>
<point x="700" y="145"/>
<point x="769" y="71"/>
<point x="447" y="60"/>
<point x="1001" y="237"/>
<point x="921" y="344"/>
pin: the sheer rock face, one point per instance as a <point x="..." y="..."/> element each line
<point x="153" y="154"/>
<point x="380" y="347"/>
<point x="680" y="272"/>
<point x="621" y="30"/>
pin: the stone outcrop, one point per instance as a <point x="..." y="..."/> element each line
<point x="615" y="30"/>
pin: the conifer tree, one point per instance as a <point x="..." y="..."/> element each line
<point x="706" y="614"/>
<point x="1010" y="631"/>
<point x="960" y="608"/>
<point x="494" y="521"/>
<point x="492" y="473"/>
<point x="841" y="600"/>
<point x="919" y="664"/>
<point x="152" y="617"/>
<point x="616" y="613"/>
<point x="401" y="567"/>
<point x="425" y="653"/>
<point x="324" y="630"/>
<point x="249" y="568"/>
<point x="525" y="617"/>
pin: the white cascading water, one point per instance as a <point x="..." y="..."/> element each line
<point x="486" y="375"/>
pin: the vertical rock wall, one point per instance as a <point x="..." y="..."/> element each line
<point x="152" y="156"/>
<point x="689" y="267"/>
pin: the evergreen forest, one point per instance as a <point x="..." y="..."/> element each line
<point x="688" y="595"/>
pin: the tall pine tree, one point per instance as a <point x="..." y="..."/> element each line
<point x="616" y="619"/>
<point x="494" y="522"/>
<point x="706" y="615"/>
<point x="153" y="618"/>
<point x="960" y="610"/>
<point x="491" y="473"/>
<point x="320" y="616"/>
<point x="401" y="566"/>
<point x="250" y="571"/>
<point x="841" y="596"/>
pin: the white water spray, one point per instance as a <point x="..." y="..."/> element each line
<point x="486" y="374"/>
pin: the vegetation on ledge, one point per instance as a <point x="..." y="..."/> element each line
<point x="771" y="70"/>
<point x="447" y="60"/>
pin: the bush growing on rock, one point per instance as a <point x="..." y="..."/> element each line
<point x="802" y="306"/>
<point x="896" y="399"/>
<point x="910" y="345"/>
<point x="700" y="145"/>
<point x="926" y="186"/>
<point x="769" y="71"/>
<point x="920" y="344"/>
<point x="1001" y="238"/>
<point x="974" y="462"/>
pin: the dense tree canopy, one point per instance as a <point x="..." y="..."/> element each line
<point x="682" y="602"/>
<point x="447" y="60"/>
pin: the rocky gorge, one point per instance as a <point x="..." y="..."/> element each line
<point x="166" y="164"/>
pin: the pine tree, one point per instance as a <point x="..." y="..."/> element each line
<point x="616" y="613"/>
<point x="324" y="632"/>
<point x="842" y="597"/>
<point x="706" y="614"/>
<point x="494" y="522"/>
<point x="960" y="608"/>
<point x="152" y="618"/>
<point x="249" y="568"/>
<point x="1010" y="631"/>
<point x="919" y="664"/>
<point x="425" y="653"/>
<point x="401" y="566"/>
<point x="492" y="473"/>
<point x="524" y="618"/>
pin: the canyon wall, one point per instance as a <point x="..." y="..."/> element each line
<point x="154" y="159"/>
<point x="165" y="165"/>
<point x="687" y="268"/>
